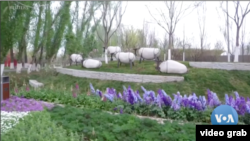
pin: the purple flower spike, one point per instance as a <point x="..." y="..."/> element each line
<point x="121" y="111"/>
<point x="175" y="106"/>
<point x="92" y="88"/>
<point x="77" y="86"/>
<point x="109" y="97"/>
<point x="27" y="88"/>
<point x="227" y="100"/>
<point x="100" y="93"/>
<point x="236" y="95"/>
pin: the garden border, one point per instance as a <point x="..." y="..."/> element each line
<point x="138" y="78"/>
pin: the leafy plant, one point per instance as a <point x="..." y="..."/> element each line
<point x="95" y="124"/>
<point x="40" y="127"/>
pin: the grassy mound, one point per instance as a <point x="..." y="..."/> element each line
<point x="196" y="80"/>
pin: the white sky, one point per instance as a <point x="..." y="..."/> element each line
<point x="137" y="12"/>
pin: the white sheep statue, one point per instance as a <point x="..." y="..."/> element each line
<point x="75" y="58"/>
<point x="112" y="50"/>
<point x="171" y="66"/>
<point x="148" y="53"/>
<point x="91" y="63"/>
<point x="125" y="57"/>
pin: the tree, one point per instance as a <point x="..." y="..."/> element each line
<point x="238" y="18"/>
<point x="170" y="17"/>
<point x="110" y="10"/>
<point x="201" y="12"/>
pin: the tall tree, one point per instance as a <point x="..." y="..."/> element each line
<point x="170" y="17"/>
<point x="238" y="18"/>
<point x="110" y="10"/>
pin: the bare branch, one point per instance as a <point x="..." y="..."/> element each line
<point x="98" y="34"/>
<point x="156" y="20"/>
<point x="119" y="22"/>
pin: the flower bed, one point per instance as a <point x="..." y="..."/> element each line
<point x="241" y="105"/>
<point x="190" y="108"/>
<point x="16" y="108"/>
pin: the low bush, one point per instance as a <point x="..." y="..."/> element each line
<point x="102" y="126"/>
<point x="38" y="126"/>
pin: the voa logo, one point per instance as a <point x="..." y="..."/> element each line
<point x="224" y="115"/>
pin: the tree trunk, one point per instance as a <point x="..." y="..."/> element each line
<point x="236" y="54"/>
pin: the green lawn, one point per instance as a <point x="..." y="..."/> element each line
<point x="196" y="80"/>
<point x="146" y="67"/>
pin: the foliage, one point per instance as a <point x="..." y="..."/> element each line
<point x="10" y="119"/>
<point x="180" y="108"/>
<point x="40" y="127"/>
<point x="97" y="125"/>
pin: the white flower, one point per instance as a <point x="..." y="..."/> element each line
<point x="10" y="119"/>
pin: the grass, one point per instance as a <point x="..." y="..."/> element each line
<point x="196" y="80"/>
<point x="146" y="67"/>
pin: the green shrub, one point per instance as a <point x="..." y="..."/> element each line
<point x="38" y="126"/>
<point x="95" y="124"/>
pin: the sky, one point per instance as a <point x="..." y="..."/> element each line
<point x="137" y="12"/>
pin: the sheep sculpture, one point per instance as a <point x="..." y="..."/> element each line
<point x="171" y="66"/>
<point x="125" y="57"/>
<point x="112" y="50"/>
<point x="148" y="53"/>
<point x="75" y="58"/>
<point x="91" y="63"/>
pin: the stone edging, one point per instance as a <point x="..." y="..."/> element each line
<point x="138" y="78"/>
<point x="221" y="65"/>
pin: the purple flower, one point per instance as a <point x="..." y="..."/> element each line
<point x="132" y="99"/>
<point x="115" y="109"/>
<point x="15" y="103"/>
<point x="198" y="106"/>
<point x="241" y="105"/>
<point x="74" y="94"/>
<point x="16" y="90"/>
<point x="158" y="100"/>
<point x="231" y="101"/>
<point x="214" y="101"/>
<point x="185" y="101"/>
<point x="100" y="93"/>
<point x="138" y="96"/>
<point x="248" y="107"/>
<point x="77" y="86"/>
<point x="121" y="111"/>
<point x="92" y="88"/>
<point x="27" y="89"/>
<point x="175" y="106"/>
<point x="203" y="102"/>
<point x="165" y="98"/>
<point x="144" y="90"/>
<point x="209" y="96"/>
<point x="109" y="97"/>
<point x="227" y="100"/>
<point x="119" y="96"/>
<point x="152" y="96"/>
<point x="236" y="95"/>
